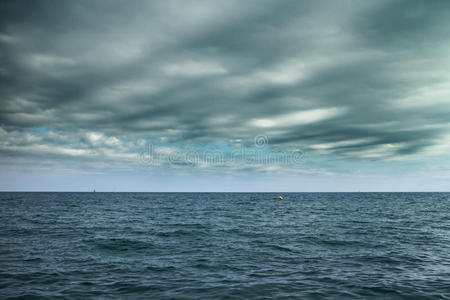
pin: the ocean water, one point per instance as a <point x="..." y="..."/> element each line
<point x="225" y="245"/>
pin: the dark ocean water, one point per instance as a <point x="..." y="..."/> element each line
<point x="225" y="245"/>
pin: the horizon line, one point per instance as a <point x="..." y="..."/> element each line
<point x="223" y="192"/>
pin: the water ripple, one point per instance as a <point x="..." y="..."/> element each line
<point x="225" y="246"/>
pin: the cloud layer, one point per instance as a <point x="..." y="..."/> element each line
<point x="353" y="79"/>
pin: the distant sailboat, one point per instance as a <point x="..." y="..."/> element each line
<point x="94" y="191"/>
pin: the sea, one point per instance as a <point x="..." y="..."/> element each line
<point x="224" y="245"/>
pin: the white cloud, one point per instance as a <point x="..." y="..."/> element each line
<point x="94" y="137"/>
<point x="194" y="68"/>
<point x="46" y="60"/>
<point x="8" y="39"/>
<point x="352" y="142"/>
<point x="431" y="95"/>
<point x="298" y="118"/>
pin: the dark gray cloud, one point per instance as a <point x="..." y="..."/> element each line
<point x="356" y="79"/>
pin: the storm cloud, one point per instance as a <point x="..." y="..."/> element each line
<point x="94" y="80"/>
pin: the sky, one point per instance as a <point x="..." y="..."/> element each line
<point x="218" y="96"/>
